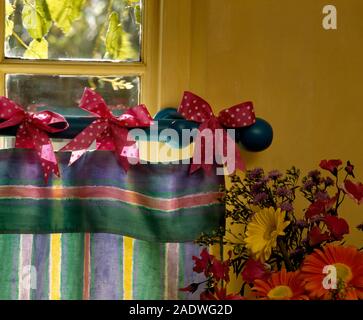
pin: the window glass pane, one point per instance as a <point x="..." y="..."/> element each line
<point x="63" y="93"/>
<point x="106" y="30"/>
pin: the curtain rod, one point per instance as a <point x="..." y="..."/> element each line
<point x="255" y="138"/>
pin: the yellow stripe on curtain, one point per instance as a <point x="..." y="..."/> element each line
<point x="127" y="267"/>
<point x="55" y="266"/>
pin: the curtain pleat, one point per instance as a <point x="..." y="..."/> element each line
<point x="58" y="266"/>
<point x="98" y="232"/>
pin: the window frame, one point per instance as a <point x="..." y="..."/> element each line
<point x="145" y="69"/>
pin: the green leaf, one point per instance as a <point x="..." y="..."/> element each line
<point x="9" y="24"/>
<point x="9" y="9"/>
<point x="38" y="49"/>
<point x="137" y="12"/>
<point x="118" y="44"/>
<point x="65" y="12"/>
<point x="36" y="18"/>
<point x="9" y="27"/>
<point x="114" y="36"/>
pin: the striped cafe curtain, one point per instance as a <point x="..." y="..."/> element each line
<point x="98" y="233"/>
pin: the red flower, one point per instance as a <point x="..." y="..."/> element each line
<point x="331" y="165"/>
<point x="212" y="266"/>
<point x="354" y="190"/>
<point x="320" y="207"/>
<point x="220" y="294"/>
<point x="316" y="237"/>
<point x="349" y="169"/>
<point x="191" y="288"/>
<point x="207" y="295"/>
<point x="338" y="227"/>
<point x="315" y="209"/>
<point x="220" y="270"/>
<point x="254" y="270"/>
<point x="203" y="264"/>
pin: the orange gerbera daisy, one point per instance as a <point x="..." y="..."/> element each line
<point x="348" y="265"/>
<point x="282" y="285"/>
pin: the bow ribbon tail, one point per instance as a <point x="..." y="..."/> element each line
<point x="203" y="156"/>
<point x="43" y="146"/>
<point x="228" y="152"/>
<point x="126" y="150"/>
<point x="83" y="141"/>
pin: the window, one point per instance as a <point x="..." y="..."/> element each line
<point x="73" y="29"/>
<point x="51" y="49"/>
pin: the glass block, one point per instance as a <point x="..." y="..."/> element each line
<point x="91" y="30"/>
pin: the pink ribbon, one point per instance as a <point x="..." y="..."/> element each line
<point x="33" y="132"/>
<point x="110" y="132"/>
<point x="196" y="109"/>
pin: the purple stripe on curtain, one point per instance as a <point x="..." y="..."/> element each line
<point x="191" y="249"/>
<point x="106" y="266"/>
<point x="41" y="248"/>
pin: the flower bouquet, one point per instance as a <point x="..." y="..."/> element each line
<point x="279" y="252"/>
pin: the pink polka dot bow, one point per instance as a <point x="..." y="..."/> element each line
<point x="110" y="132"/>
<point x="196" y="109"/>
<point x="33" y="132"/>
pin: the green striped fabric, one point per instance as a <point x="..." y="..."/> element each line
<point x="153" y="202"/>
<point x="98" y="233"/>
<point x="157" y="271"/>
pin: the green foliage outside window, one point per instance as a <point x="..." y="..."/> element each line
<point x="73" y="29"/>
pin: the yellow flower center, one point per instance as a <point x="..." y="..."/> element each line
<point x="344" y="273"/>
<point x="280" y="292"/>
<point x="270" y="232"/>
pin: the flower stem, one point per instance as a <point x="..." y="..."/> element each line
<point x="285" y="255"/>
<point x="221" y="252"/>
<point x="20" y="40"/>
<point x="242" y="292"/>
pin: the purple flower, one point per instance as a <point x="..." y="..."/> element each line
<point x="274" y="174"/>
<point x="329" y="182"/>
<point x="301" y="223"/>
<point x="283" y="192"/>
<point x="254" y="174"/>
<point x="315" y="174"/>
<point x="256" y="188"/>
<point x="265" y="179"/>
<point x="286" y="206"/>
<point x="260" y="197"/>
<point x="308" y="185"/>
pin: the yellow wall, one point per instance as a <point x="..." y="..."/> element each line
<point x="306" y="81"/>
